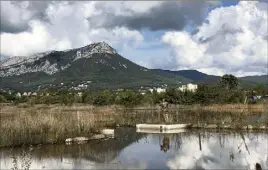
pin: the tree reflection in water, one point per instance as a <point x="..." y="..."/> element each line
<point x="165" y="144"/>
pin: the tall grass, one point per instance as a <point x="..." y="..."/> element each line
<point x="42" y="124"/>
<point x="32" y="126"/>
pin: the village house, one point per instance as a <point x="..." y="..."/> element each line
<point x="18" y="95"/>
<point x="80" y="94"/>
<point x="34" y="94"/>
<point x="158" y="90"/>
<point x="190" y="87"/>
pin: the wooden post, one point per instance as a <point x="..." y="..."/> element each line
<point x="245" y="101"/>
<point x="78" y="120"/>
<point x="159" y="117"/>
<point x="200" y="143"/>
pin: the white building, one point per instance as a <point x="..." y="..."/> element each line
<point x="190" y="87"/>
<point x="158" y="90"/>
<point x="18" y="95"/>
<point x="80" y="94"/>
<point x="34" y="94"/>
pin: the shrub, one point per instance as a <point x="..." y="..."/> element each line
<point x="2" y="99"/>
<point x="128" y="98"/>
<point x="103" y="98"/>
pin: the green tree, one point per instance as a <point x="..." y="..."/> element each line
<point x="228" y="81"/>
<point x="236" y="96"/>
<point x="261" y="89"/>
<point x="173" y="96"/>
<point x="157" y="97"/>
<point x="103" y="98"/>
<point x="9" y="97"/>
<point x="87" y="97"/>
<point x="2" y="99"/>
<point x="128" y="98"/>
<point x="48" y="100"/>
<point x="66" y="97"/>
<point x="187" y="97"/>
<point x="207" y="95"/>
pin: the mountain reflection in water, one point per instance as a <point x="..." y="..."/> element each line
<point x="131" y="150"/>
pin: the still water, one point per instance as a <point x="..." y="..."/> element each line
<point x="132" y="150"/>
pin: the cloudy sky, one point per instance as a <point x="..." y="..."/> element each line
<point x="214" y="37"/>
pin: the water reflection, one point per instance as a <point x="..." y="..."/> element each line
<point x="165" y="144"/>
<point x="132" y="150"/>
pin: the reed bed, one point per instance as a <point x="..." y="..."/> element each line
<point x="41" y="124"/>
<point x="46" y="126"/>
<point x="246" y="108"/>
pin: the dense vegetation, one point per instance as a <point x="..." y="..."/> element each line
<point x="225" y="92"/>
<point x="204" y="95"/>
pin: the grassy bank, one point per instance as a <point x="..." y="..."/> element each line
<point x="37" y="124"/>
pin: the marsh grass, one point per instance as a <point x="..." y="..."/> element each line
<point x="45" y="126"/>
<point x="42" y="124"/>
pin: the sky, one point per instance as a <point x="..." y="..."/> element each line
<point x="214" y="37"/>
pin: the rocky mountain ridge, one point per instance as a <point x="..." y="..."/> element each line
<point x="18" y="65"/>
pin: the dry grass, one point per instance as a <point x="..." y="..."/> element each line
<point x="48" y="125"/>
<point x="8" y="108"/>
<point x="237" y="108"/>
<point x="53" y="124"/>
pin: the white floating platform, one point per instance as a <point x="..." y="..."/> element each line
<point x="162" y="127"/>
<point x="158" y="131"/>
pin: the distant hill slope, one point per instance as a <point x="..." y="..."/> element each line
<point x="257" y="79"/>
<point x="202" y="78"/>
<point x="193" y="75"/>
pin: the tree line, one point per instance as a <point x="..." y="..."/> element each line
<point x="227" y="91"/>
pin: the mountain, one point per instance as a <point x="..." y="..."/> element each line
<point x="263" y="79"/>
<point x="94" y="66"/>
<point x="202" y="78"/>
<point x="193" y="75"/>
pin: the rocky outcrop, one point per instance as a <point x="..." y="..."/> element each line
<point x="41" y="62"/>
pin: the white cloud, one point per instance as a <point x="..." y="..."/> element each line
<point x="68" y="28"/>
<point x="16" y="15"/>
<point x="216" y="151"/>
<point x="116" y="36"/>
<point x="232" y="40"/>
<point x="17" y="20"/>
<point x="38" y="40"/>
<point x="184" y="45"/>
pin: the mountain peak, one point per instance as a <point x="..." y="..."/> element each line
<point x="99" y="47"/>
<point x="103" y="44"/>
